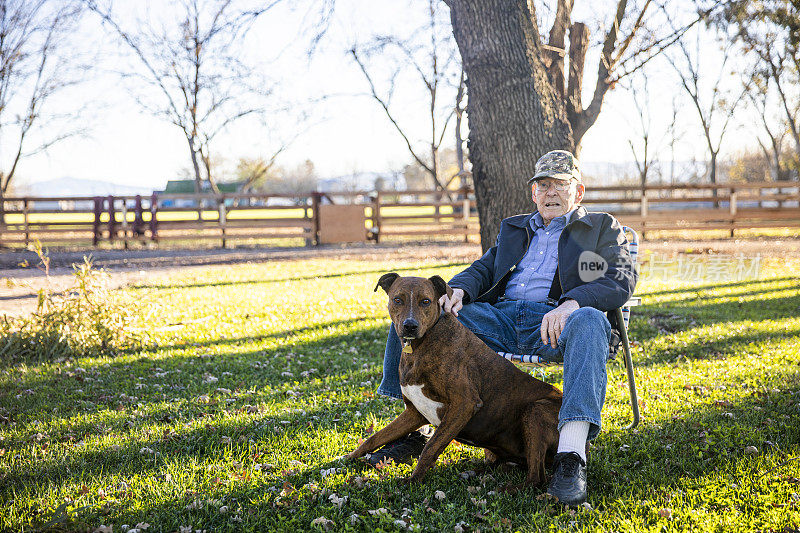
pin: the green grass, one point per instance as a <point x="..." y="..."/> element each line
<point x="263" y="376"/>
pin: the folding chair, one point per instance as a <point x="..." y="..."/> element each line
<point x="619" y="318"/>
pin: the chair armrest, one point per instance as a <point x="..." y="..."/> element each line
<point x="634" y="301"/>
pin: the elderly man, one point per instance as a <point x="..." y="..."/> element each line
<point x="530" y="295"/>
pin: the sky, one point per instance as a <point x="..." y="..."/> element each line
<point x="347" y="131"/>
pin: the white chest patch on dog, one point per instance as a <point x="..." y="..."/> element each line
<point x="424" y="405"/>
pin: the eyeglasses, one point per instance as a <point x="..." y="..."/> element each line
<point x="559" y="186"/>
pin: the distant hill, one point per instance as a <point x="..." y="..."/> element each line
<point x="361" y="181"/>
<point x="78" y="187"/>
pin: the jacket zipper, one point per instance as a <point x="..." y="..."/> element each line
<point x="513" y="267"/>
<point x="560" y="278"/>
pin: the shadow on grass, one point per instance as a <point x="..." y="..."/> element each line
<point x="228" y="341"/>
<point x="656" y="462"/>
<point x="296" y="278"/>
<point x="713" y="286"/>
<point x="717" y="311"/>
<point x="135" y="457"/>
<point x="661" y="454"/>
<point x="287" y="333"/>
<point x="650" y="321"/>
<point x="259" y="370"/>
<point x="717" y="348"/>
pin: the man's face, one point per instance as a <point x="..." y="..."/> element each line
<point x="555" y="197"/>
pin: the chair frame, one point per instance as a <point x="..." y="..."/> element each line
<point x="622" y="315"/>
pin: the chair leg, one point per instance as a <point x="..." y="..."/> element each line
<point x="626" y="346"/>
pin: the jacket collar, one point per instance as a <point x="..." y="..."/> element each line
<point x="579" y="215"/>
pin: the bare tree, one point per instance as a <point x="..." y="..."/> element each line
<point x="522" y="99"/>
<point x="430" y="53"/>
<point x="770" y="32"/>
<point x="37" y="65"/>
<point x="193" y="67"/>
<point x="464" y="174"/>
<point x="760" y="98"/>
<point x="675" y="133"/>
<point x="711" y="95"/>
<point x="643" y="147"/>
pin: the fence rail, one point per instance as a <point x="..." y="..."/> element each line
<point x="183" y="219"/>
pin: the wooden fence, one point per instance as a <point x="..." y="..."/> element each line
<point x="318" y="218"/>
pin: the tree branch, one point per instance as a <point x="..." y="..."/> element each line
<point x="385" y="107"/>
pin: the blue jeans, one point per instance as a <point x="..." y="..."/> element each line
<point x="514" y="326"/>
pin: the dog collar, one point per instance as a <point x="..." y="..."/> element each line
<point x="407" y="345"/>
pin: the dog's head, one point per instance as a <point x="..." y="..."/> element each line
<point x="413" y="302"/>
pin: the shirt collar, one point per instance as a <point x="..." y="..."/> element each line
<point x="537" y="222"/>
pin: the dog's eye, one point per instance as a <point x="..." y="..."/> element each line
<point x="425" y="302"/>
<point x="398" y="301"/>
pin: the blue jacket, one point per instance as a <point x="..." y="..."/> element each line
<point x="486" y="278"/>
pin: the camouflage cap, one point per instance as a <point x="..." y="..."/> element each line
<point x="558" y="164"/>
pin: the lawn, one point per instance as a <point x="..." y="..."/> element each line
<point x="257" y="378"/>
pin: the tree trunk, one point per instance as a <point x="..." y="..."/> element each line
<point x="713" y="178"/>
<point x="514" y="115"/>
<point x="713" y="171"/>
<point x="2" y="209"/>
<point x="198" y="181"/>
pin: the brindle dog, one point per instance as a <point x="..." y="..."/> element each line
<point x="451" y="379"/>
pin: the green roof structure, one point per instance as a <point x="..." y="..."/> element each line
<point x="187" y="186"/>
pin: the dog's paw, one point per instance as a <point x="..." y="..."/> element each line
<point x="352" y="456"/>
<point x="489" y="457"/>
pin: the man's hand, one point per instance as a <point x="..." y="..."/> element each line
<point x="454" y="303"/>
<point x="553" y="322"/>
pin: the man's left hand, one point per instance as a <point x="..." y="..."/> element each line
<point x="553" y="322"/>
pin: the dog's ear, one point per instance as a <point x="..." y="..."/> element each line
<point x="440" y="286"/>
<point x="386" y="281"/>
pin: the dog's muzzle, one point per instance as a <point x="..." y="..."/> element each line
<point x="410" y="328"/>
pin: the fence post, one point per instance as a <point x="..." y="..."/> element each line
<point x="465" y="215"/>
<point x="315" y="201"/>
<point x="2" y="216"/>
<point x="112" y="220"/>
<point x="223" y="219"/>
<point x="138" y="218"/>
<point x="98" y="211"/>
<point x="154" y="218"/>
<point x="732" y="204"/>
<point x="376" y="216"/>
<point x="125" y="224"/>
<point x="643" y="210"/>
<point x="25" y="211"/>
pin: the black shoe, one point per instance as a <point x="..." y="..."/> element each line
<point x="401" y="450"/>
<point x="569" y="479"/>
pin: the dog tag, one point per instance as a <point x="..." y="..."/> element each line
<point x="407" y="348"/>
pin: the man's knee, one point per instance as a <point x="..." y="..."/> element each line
<point x="587" y="322"/>
<point x="475" y="316"/>
<point x="589" y="317"/>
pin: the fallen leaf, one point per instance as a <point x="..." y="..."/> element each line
<point x="323" y="523"/>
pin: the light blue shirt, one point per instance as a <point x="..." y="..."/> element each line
<point x="533" y="277"/>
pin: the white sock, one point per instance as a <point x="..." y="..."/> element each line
<point x="572" y="438"/>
